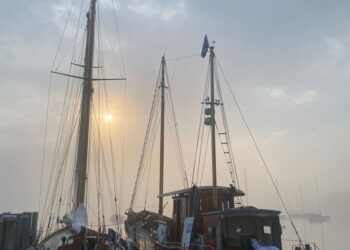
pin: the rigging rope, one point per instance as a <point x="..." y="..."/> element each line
<point x="228" y="156"/>
<point x="144" y="147"/>
<point x="57" y="184"/>
<point x="183" y="57"/>
<point x="150" y="147"/>
<point x="177" y="146"/>
<point x="42" y="220"/>
<point x="200" y="159"/>
<point x="123" y="147"/>
<point x="62" y="34"/>
<point x="113" y="197"/>
<point x="151" y="131"/>
<point x="118" y="36"/>
<point x="200" y="130"/>
<point x="44" y="145"/>
<point x="174" y="141"/>
<point x="205" y="156"/>
<point x="261" y="156"/>
<point x="115" y="8"/>
<point x="149" y="172"/>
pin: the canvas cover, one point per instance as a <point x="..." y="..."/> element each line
<point x="77" y="220"/>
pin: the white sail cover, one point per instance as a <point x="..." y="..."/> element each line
<point x="77" y="220"/>
<point x="258" y="246"/>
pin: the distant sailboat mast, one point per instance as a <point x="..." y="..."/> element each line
<point x="83" y="141"/>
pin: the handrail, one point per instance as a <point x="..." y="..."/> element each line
<point x="304" y="242"/>
<point x="179" y="243"/>
<point x="203" y="246"/>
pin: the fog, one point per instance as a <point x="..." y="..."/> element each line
<point x="287" y="62"/>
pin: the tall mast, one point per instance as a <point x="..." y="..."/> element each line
<point x="212" y="107"/>
<point x="83" y="141"/>
<point x="161" y="164"/>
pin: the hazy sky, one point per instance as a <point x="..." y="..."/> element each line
<point x="287" y="61"/>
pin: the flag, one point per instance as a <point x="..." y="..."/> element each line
<point x="205" y="46"/>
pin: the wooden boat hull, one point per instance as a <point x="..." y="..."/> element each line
<point x="141" y="228"/>
<point x="63" y="239"/>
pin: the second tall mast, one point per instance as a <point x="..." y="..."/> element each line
<point x="161" y="164"/>
<point x="212" y="127"/>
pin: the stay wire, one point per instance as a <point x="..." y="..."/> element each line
<point x="200" y="127"/>
<point x="200" y="154"/>
<point x="205" y="155"/>
<point x="150" y="147"/>
<point x="63" y="32"/>
<point x="183" y="57"/>
<point x="261" y="156"/>
<point x="54" y="166"/>
<point x="62" y="132"/>
<point x="176" y="131"/>
<point x="140" y="168"/>
<point x="44" y="144"/>
<point x="115" y="8"/>
<point x="116" y="208"/>
<point x="174" y="143"/>
<point x="229" y="157"/>
<point x="123" y="145"/>
<point x="69" y="137"/>
<point x="45" y="132"/>
<point x="110" y="43"/>
<point x="48" y="105"/>
<point x="118" y="35"/>
<point x="104" y="163"/>
<point x="149" y="172"/>
<point x="75" y="37"/>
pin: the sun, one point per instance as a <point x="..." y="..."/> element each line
<point x="108" y="117"/>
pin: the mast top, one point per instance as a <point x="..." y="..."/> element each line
<point x="211" y="48"/>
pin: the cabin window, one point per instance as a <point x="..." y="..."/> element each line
<point x="238" y="229"/>
<point x="211" y="231"/>
<point x="267" y="229"/>
<point x="240" y="226"/>
<point x="183" y="211"/>
<point x="200" y="204"/>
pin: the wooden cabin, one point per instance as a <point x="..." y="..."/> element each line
<point x="224" y="227"/>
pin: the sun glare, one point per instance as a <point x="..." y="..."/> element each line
<point x="108" y="117"/>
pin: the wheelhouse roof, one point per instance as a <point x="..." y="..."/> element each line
<point x="244" y="211"/>
<point x="237" y="192"/>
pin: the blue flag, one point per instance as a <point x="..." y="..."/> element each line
<point x="205" y="46"/>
